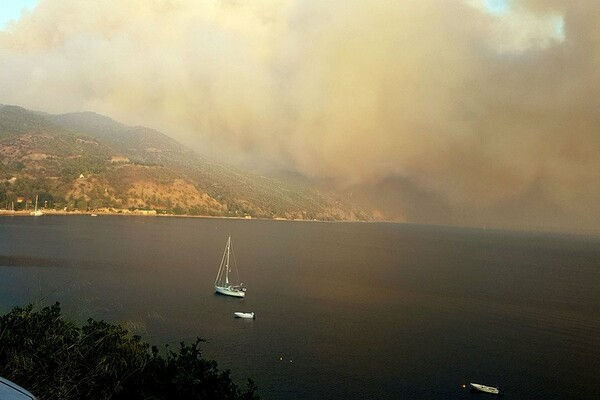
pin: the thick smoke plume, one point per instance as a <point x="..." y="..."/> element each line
<point x="447" y="111"/>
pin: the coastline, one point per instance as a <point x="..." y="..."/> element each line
<point x="27" y="213"/>
<point x="143" y="213"/>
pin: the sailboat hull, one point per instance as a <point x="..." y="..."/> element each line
<point x="230" y="291"/>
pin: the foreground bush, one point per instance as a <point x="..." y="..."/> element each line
<point x="55" y="359"/>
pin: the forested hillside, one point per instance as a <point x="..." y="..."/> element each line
<point x="89" y="162"/>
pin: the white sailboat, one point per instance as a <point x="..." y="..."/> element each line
<point x="226" y="283"/>
<point x="36" y="212"/>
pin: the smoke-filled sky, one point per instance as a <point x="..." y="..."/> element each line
<point x="483" y="112"/>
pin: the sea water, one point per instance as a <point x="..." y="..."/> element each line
<point x="344" y="310"/>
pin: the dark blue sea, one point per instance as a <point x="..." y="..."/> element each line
<point x="344" y="310"/>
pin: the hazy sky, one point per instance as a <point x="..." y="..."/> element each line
<point x="480" y="112"/>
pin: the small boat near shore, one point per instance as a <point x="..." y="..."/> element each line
<point x="36" y="212"/>
<point x="245" y="315"/>
<point x="484" y="388"/>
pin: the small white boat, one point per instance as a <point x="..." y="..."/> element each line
<point x="486" y="389"/>
<point x="225" y="283"/>
<point x="36" y="212"/>
<point x="247" y="315"/>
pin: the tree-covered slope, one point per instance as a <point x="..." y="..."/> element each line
<point x="87" y="161"/>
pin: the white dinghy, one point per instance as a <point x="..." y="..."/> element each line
<point x="246" y="315"/>
<point x="486" y="389"/>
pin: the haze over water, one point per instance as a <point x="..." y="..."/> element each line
<point x="344" y="310"/>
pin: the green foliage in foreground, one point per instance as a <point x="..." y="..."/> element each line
<point x="55" y="359"/>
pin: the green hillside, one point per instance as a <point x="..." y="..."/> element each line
<point x="86" y="162"/>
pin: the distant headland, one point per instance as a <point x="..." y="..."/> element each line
<point x="87" y="163"/>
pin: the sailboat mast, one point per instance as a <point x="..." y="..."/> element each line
<point x="227" y="265"/>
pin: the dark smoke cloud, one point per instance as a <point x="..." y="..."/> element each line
<point x="435" y="107"/>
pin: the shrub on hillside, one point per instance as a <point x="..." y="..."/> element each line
<point x="55" y="359"/>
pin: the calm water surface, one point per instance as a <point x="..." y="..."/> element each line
<point x="353" y="311"/>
